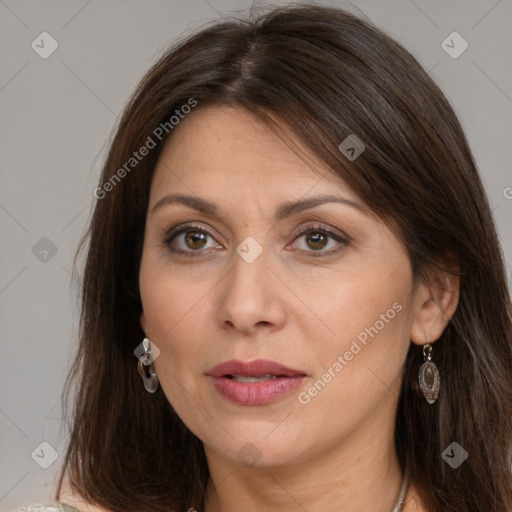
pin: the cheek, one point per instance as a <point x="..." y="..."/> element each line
<point x="363" y="306"/>
<point x="175" y="306"/>
<point x="360" y="368"/>
<point x="170" y="295"/>
<point x="170" y="308"/>
<point x="368" y="319"/>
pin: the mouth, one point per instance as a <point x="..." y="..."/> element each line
<point x="249" y="378"/>
<point x="259" y="369"/>
<point x="255" y="382"/>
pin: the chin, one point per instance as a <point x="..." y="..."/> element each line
<point x="258" y="444"/>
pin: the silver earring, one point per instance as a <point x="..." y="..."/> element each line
<point x="147" y="368"/>
<point x="428" y="376"/>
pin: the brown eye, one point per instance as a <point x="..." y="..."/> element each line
<point x="316" y="238"/>
<point x="189" y="240"/>
<point x="195" y="239"/>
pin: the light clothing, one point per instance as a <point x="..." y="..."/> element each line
<point x="56" y="507"/>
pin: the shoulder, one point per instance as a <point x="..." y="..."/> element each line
<point x="68" y="502"/>
<point x="76" y="503"/>
<point x="55" y="507"/>
<point x="413" y="502"/>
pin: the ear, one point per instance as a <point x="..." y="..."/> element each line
<point x="435" y="303"/>
<point x="143" y="322"/>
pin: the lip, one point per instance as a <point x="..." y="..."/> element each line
<point x="255" y="393"/>
<point x="255" y="368"/>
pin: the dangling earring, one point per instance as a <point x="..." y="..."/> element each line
<point x="147" y="368"/>
<point x="428" y="376"/>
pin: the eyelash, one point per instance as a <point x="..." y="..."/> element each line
<point x="301" y="232"/>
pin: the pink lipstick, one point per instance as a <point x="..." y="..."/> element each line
<point x="255" y="382"/>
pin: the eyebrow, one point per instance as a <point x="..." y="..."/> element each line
<point x="283" y="211"/>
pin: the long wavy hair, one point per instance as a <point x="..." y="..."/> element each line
<point x="327" y="74"/>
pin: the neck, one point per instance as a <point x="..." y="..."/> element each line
<point x="358" y="474"/>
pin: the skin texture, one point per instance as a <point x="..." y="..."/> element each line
<point x="335" y="452"/>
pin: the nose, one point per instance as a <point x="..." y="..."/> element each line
<point x="250" y="297"/>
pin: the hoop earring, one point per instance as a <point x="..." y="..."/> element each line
<point x="147" y="368"/>
<point x="428" y="376"/>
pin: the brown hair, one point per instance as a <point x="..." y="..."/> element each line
<point x="327" y="74"/>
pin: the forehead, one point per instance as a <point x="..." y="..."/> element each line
<point x="223" y="147"/>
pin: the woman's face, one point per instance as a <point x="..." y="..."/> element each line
<point x="326" y="291"/>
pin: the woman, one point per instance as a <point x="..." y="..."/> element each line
<point x="291" y="237"/>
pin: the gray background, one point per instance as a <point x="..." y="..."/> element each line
<point x="56" y="116"/>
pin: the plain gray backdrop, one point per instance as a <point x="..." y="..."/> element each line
<point x="57" y="114"/>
